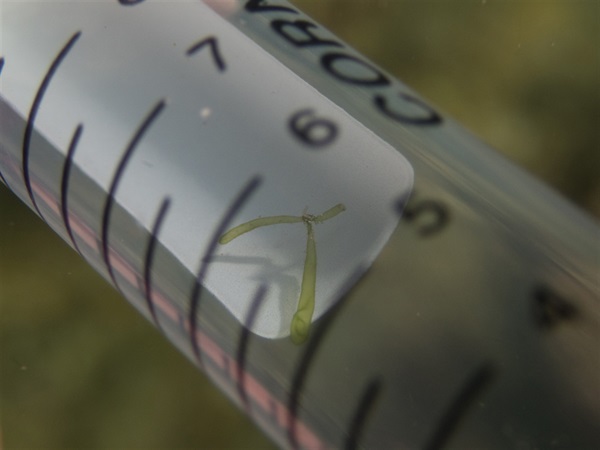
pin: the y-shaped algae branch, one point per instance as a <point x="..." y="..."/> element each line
<point x="306" y="303"/>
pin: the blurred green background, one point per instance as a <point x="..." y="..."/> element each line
<point x="80" y="368"/>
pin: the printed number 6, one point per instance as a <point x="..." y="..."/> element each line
<point x="311" y="130"/>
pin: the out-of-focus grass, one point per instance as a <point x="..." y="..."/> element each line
<point x="79" y="367"/>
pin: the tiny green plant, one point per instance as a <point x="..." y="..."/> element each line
<point x="306" y="303"/>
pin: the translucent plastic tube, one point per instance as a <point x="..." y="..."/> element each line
<point x="450" y="293"/>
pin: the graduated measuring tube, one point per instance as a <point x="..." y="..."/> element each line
<point x="239" y="167"/>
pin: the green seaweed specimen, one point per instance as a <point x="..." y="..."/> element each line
<point x="306" y="303"/>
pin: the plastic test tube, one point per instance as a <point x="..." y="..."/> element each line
<point x="142" y="149"/>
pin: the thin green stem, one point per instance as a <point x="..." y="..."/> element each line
<point x="256" y="223"/>
<point x="306" y="303"/>
<point x="330" y="213"/>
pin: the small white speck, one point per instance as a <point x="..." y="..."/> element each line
<point x="205" y="113"/>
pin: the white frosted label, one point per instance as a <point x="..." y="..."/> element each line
<point x="217" y="114"/>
